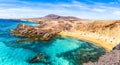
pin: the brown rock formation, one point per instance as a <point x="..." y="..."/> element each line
<point x="51" y="25"/>
<point x="117" y="47"/>
<point x="36" y="33"/>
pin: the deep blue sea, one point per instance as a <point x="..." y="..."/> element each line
<point x="59" y="51"/>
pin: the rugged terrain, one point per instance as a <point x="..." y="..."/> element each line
<point x="103" y="33"/>
<point x="111" y="58"/>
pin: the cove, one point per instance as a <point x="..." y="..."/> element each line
<point x="59" y="51"/>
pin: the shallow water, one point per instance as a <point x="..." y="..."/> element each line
<point x="59" y="51"/>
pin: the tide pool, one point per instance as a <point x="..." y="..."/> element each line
<point x="59" y="51"/>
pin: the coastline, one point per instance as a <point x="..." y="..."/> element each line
<point x="89" y="38"/>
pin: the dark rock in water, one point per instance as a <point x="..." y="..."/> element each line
<point x="83" y="54"/>
<point x="41" y="58"/>
<point x="117" y="47"/>
<point x="36" y="58"/>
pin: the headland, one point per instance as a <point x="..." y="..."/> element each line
<point x="103" y="33"/>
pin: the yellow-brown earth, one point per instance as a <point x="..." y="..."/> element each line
<point x="103" y="33"/>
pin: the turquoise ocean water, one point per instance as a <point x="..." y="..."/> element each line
<point x="59" y="51"/>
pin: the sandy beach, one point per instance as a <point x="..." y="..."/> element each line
<point x="92" y="38"/>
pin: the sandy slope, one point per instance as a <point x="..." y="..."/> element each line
<point x="95" y="39"/>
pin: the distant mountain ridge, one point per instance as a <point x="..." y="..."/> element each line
<point x="52" y="17"/>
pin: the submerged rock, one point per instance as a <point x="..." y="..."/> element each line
<point x="40" y="58"/>
<point x="83" y="54"/>
<point x="36" y="58"/>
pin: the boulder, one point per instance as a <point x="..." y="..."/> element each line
<point x="117" y="47"/>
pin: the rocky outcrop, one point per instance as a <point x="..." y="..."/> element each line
<point x="51" y="25"/>
<point x="111" y="58"/>
<point x="117" y="47"/>
<point x="34" y="33"/>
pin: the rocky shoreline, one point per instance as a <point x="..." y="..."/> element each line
<point x="51" y="25"/>
<point x="34" y="33"/>
<point x="111" y="58"/>
<point x="48" y="28"/>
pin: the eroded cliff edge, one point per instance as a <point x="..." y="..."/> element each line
<point x="103" y="33"/>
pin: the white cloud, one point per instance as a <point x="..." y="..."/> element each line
<point x="117" y="12"/>
<point x="99" y="10"/>
<point x="79" y="9"/>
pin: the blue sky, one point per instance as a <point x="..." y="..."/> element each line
<point x="85" y="9"/>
